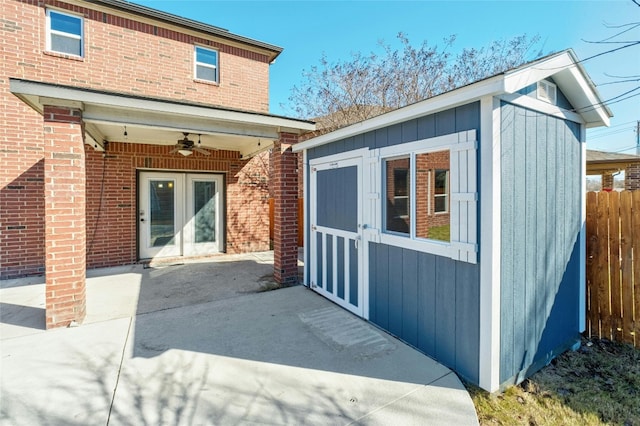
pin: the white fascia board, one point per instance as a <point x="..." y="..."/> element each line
<point x="572" y="79"/>
<point x="532" y="73"/>
<point x="461" y="96"/>
<point x="29" y="88"/>
<point x="172" y="122"/>
<point x="588" y="102"/>
<point x="490" y="248"/>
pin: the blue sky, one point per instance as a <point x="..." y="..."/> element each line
<point x="306" y="29"/>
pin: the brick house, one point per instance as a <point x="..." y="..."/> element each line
<point x="132" y="134"/>
<point x="608" y="164"/>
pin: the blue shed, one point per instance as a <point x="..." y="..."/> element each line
<point x="457" y="223"/>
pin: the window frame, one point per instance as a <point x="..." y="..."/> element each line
<point x="215" y="67"/>
<point x="447" y="189"/>
<point x="49" y="31"/>
<point x="463" y="196"/>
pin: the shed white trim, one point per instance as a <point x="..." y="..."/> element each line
<point x="490" y="211"/>
<point x="564" y="67"/>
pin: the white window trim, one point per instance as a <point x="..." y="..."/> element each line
<point x="463" y="244"/>
<point x="50" y="31"/>
<point x="445" y="195"/>
<point x="206" y="65"/>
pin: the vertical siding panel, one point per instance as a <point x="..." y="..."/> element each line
<point x="551" y="204"/>
<point x="382" y="287"/>
<point x="410" y="296"/>
<point x="373" y="283"/>
<point x="426" y="127"/>
<point x="395" y="290"/>
<point x="370" y="140"/>
<point x="410" y="131"/>
<point x="446" y="311"/>
<point x="358" y="142"/>
<point x="445" y="122"/>
<point x="541" y="228"/>
<point x="381" y="137"/>
<point x="468" y="117"/>
<point x="426" y="302"/>
<point x="530" y="190"/>
<point x="467" y="321"/>
<point x="519" y="241"/>
<point x="394" y="135"/>
<point x="506" y="274"/>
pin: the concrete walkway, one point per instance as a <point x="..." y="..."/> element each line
<point x="204" y="344"/>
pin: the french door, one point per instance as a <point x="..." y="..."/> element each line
<point x="180" y="214"/>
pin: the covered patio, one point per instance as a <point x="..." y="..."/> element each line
<point x="94" y="135"/>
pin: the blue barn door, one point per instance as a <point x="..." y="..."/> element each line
<point x="336" y="269"/>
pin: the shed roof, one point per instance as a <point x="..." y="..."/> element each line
<point x="564" y="67"/>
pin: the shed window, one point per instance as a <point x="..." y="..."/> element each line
<point x="64" y="33"/>
<point x="206" y="64"/>
<point x="398" y="190"/>
<point x="429" y="198"/>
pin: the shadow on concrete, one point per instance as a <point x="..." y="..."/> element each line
<point x="22" y="316"/>
<point x="207" y="343"/>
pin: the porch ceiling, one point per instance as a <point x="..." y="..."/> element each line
<point x="159" y="121"/>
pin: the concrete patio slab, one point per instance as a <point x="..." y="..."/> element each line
<point x="286" y="356"/>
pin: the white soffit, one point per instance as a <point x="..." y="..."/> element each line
<point x="120" y="106"/>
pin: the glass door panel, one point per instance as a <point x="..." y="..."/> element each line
<point x="162" y="221"/>
<point x="204" y="207"/>
<point x="203" y="224"/>
<point x="160" y="216"/>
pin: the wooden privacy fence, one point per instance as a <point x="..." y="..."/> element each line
<point x="613" y="265"/>
<point x="300" y="221"/>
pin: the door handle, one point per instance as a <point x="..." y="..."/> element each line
<point x="357" y="242"/>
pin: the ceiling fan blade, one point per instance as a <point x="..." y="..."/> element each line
<point x="176" y="149"/>
<point x="201" y="151"/>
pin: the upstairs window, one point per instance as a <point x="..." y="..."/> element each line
<point x="441" y="191"/>
<point x="206" y="64"/>
<point x="64" y="33"/>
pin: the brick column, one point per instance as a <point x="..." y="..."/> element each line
<point x="64" y="199"/>
<point x="607" y="180"/>
<point x="632" y="177"/>
<point x="285" y="232"/>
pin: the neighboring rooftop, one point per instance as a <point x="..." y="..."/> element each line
<point x="594" y="156"/>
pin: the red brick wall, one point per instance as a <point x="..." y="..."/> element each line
<point x="632" y="177"/>
<point x="125" y="55"/>
<point x="285" y="233"/>
<point x="65" y="235"/>
<point x="111" y="227"/>
<point x="121" y="55"/>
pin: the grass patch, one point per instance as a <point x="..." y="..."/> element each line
<point x="441" y="233"/>
<point x="597" y="385"/>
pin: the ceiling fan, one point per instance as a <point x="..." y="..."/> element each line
<point x="185" y="146"/>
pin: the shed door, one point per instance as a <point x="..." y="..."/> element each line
<point x="336" y="232"/>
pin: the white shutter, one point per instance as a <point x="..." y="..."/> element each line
<point x="464" y="198"/>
